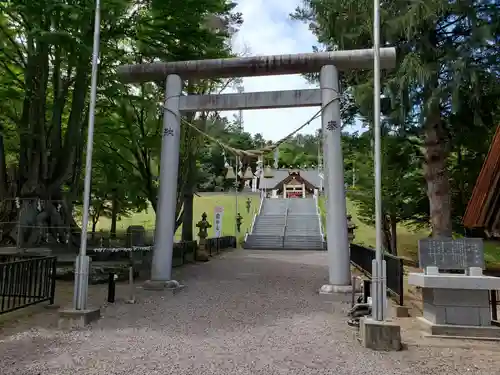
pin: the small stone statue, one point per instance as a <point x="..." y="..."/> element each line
<point x="239" y="220"/>
<point x="203" y="226"/>
<point x="248" y="205"/>
<point x="350" y="228"/>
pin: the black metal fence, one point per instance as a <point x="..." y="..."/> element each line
<point x="26" y="281"/>
<point x="215" y="245"/>
<point x="362" y="257"/>
<point x="184" y="252"/>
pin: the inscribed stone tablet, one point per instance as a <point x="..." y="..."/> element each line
<point x="449" y="254"/>
<point x="136" y="236"/>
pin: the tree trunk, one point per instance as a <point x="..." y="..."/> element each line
<point x="187" y="219"/>
<point x="94" y="225"/>
<point x="386" y="235"/>
<point x="436" y="175"/>
<point x="3" y="170"/>
<point x="394" y="235"/>
<point x="114" y="217"/>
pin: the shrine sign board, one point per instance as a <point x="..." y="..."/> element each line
<point x="451" y="254"/>
<point x="218" y="214"/>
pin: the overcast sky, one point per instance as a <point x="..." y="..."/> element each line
<point x="268" y="30"/>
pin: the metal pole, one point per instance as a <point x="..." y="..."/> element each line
<point x="236" y="196"/>
<point x="82" y="264"/>
<point x="240" y="89"/>
<point x="338" y="244"/>
<point x="379" y="314"/>
<point x="353" y="174"/>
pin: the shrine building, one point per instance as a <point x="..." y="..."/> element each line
<point x="293" y="183"/>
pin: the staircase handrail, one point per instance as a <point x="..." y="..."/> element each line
<point x="286" y="220"/>
<point x="253" y="222"/>
<point x="255" y="214"/>
<point x="262" y="197"/>
<point x="318" y="213"/>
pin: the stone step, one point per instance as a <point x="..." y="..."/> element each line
<point x="263" y="242"/>
<point x="305" y="242"/>
<point x="269" y="225"/>
<point x="315" y="234"/>
<point x="271" y="231"/>
<point x="304" y="225"/>
<point x="302" y="229"/>
<point x="280" y="221"/>
<point x="309" y="242"/>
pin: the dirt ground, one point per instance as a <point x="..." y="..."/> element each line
<point x="44" y="315"/>
<point x="255" y="312"/>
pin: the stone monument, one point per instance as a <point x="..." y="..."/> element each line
<point x="455" y="304"/>
<point x="136" y="236"/>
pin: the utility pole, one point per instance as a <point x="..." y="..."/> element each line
<point x="82" y="264"/>
<point x="380" y="293"/>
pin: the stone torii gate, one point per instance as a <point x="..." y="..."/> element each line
<point x="329" y="64"/>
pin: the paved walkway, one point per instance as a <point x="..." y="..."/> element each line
<point x="243" y="313"/>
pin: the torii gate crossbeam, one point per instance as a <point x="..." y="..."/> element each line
<point x="328" y="64"/>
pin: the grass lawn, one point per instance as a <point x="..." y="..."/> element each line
<point x="204" y="203"/>
<point x="365" y="234"/>
<point x="408" y="238"/>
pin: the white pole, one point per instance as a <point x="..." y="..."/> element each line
<point x="236" y="197"/>
<point x="379" y="313"/>
<point x="240" y="89"/>
<point x="82" y="264"/>
<point x="353" y="174"/>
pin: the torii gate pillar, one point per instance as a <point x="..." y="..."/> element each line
<point x="339" y="268"/>
<point x="161" y="265"/>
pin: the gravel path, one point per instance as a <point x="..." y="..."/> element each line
<point x="243" y="313"/>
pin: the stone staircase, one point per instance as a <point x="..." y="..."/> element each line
<point x="291" y="224"/>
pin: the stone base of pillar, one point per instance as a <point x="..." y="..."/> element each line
<point x="201" y="252"/>
<point x="202" y="256"/>
<point x="171" y="286"/>
<point x="331" y="289"/>
<point x="75" y="319"/>
<point x="383" y="336"/>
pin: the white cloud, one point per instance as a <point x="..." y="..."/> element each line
<point x="268" y="30"/>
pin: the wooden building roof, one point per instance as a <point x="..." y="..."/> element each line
<point x="294" y="178"/>
<point x="483" y="209"/>
<point x="311" y="176"/>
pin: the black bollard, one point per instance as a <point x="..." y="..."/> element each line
<point x="367" y="290"/>
<point x="493" y="304"/>
<point x="111" y="288"/>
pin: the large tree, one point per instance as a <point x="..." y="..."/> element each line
<point x="444" y="48"/>
<point x="46" y="50"/>
<point x="45" y="53"/>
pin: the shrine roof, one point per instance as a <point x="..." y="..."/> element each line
<point x="309" y="175"/>
<point x="484" y="205"/>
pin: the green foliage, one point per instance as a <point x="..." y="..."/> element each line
<point x="444" y="88"/>
<point x="45" y="55"/>
<point x="439" y="109"/>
